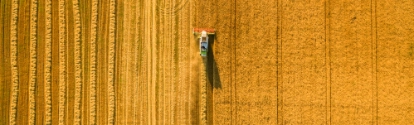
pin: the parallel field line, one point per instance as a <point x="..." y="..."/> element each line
<point x="153" y="43"/>
<point x="127" y="56"/>
<point x="125" y="59"/>
<point x="111" y="63"/>
<point x="180" y="68"/>
<point x="62" y="62"/>
<point x="173" y="78"/>
<point x="93" y="63"/>
<point x="132" y="62"/>
<point x="48" y="63"/>
<point x="33" y="62"/>
<point x="13" y="59"/>
<point x="118" y="64"/>
<point x="78" y="63"/>
<point x="148" y="63"/>
<point x="136" y="69"/>
<point x="163" y="57"/>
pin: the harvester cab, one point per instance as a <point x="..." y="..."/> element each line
<point x="202" y="34"/>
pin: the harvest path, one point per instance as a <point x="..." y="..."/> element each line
<point x="270" y="62"/>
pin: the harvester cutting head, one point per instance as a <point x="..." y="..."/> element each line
<point x="202" y="34"/>
<point x="209" y="31"/>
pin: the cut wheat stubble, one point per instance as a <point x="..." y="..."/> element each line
<point x="13" y="58"/>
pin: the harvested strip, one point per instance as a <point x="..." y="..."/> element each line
<point x="13" y="59"/>
<point x="33" y="61"/>
<point x="92" y="101"/>
<point x="48" y="63"/>
<point x="111" y="65"/>
<point x="78" y="63"/>
<point x="62" y="62"/>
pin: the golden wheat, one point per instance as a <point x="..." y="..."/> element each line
<point x="92" y="100"/>
<point x="111" y="65"/>
<point x="62" y="62"/>
<point x="13" y="59"/>
<point x="78" y="64"/>
<point x="33" y="61"/>
<point x="48" y="63"/>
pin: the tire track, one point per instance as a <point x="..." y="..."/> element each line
<point x="33" y="62"/>
<point x="78" y="63"/>
<point x="62" y="62"/>
<point x="111" y="63"/>
<point x="48" y="63"/>
<point x="93" y="63"/>
<point x="13" y="59"/>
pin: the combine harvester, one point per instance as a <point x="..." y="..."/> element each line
<point x="202" y="34"/>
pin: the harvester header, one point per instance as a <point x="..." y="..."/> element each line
<point x="209" y="31"/>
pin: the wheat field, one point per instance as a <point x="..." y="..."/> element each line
<point x="270" y="62"/>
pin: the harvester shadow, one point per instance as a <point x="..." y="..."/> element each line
<point x="212" y="71"/>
